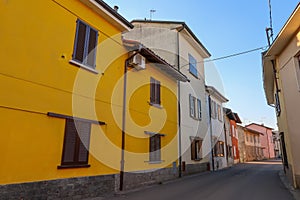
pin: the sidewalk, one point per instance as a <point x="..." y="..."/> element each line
<point x="288" y="185"/>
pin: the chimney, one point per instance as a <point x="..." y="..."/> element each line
<point x="116" y="8"/>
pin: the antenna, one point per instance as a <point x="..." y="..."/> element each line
<point x="269" y="30"/>
<point x="151" y="13"/>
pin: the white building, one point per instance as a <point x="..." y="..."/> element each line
<point x="178" y="45"/>
<point x="216" y="127"/>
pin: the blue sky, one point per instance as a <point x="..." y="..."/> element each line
<point x="225" y="27"/>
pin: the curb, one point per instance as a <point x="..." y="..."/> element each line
<point x="288" y="185"/>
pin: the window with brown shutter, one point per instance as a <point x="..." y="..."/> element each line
<point x="154" y="91"/>
<point x="85" y="44"/>
<point x="76" y="143"/>
<point x="155" y="148"/>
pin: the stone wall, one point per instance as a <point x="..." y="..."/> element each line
<point x="195" y="168"/>
<point x="138" y="179"/>
<point x="73" y="188"/>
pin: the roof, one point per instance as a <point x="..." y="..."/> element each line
<point x="184" y="25"/>
<point x="214" y="92"/>
<point x="232" y="116"/>
<point x="154" y="58"/>
<point x="253" y="131"/>
<point x="286" y="34"/>
<point x="108" y="13"/>
<point x="261" y="125"/>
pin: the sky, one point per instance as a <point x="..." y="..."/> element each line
<point x="225" y="28"/>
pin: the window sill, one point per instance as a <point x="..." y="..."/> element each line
<point x="198" y="159"/>
<point x="155" y="162"/>
<point x="83" y="66"/>
<point x="72" y="166"/>
<point x="155" y="105"/>
<point x="195" y="118"/>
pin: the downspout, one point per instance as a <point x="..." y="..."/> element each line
<point x="122" y="164"/>
<point x="211" y="135"/>
<point x="179" y="108"/>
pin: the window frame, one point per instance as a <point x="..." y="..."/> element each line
<point x="75" y="163"/>
<point x="196" y="150"/>
<point x="193" y="66"/>
<point x="155" y="92"/>
<point x="199" y="109"/>
<point x="219" y="149"/>
<point x="86" y="52"/>
<point x="155" y="153"/>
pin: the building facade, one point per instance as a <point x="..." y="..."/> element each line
<point x="228" y="140"/>
<point x="177" y="44"/>
<point x="78" y="113"/>
<point x="266" y="139"/>
<point x="281" y="76"/>
<point x="253" y="147"/>
<point x="216" y="127"/>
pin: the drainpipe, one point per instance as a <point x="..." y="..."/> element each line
<point x="122" y="164"/>
<point x="211" y="135"/>
<point x="179" y="108"/>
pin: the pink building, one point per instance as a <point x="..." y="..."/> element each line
<point x="266" y="139"/>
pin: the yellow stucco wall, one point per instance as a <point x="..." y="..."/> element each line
<point x="36" y="77"/>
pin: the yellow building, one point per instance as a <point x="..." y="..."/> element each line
<point x="62" y="84"/>
<point x="281" y="76"/>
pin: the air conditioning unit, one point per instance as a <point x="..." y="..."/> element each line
<point x="138" y="62"/>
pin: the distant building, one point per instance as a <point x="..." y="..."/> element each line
<point x="228" y="139"/>
<point x="281" y="76"/>
<point x="266" y="139"/>
<point x="250" y="144"/>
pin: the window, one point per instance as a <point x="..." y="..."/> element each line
<point x="154" y="91"/>
<point x="233" y="130"/>
<point x="192" y="106"/>
<point x="85" y="45"/>
<point x="196" y="147"/>
<point x="251" y="138"/>
<point x="76" y="143"/>
<point x="234" y="151"/>
<point x="213" y="109"/>
<point x="219" y="149"/>
<point x="277" y="104"/>
<point x="229" y="151"/>
<point x="155" y="148"/>
<point x="199" y="109"/>
<point x="219" y="113"/>
<point x="195" y="107"/>
<point x="193" y="65"/>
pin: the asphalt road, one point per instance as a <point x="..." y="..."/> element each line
<point x="250" y="181"/>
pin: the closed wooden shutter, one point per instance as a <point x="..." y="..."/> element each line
<point x="157" y="92"/>
<point x="76" y="142"/>
<point x="69" y="142"/>
<point x="152" y="90"/>
<point x="91" y="47"/>
<point x="80" y="41"/>
<point x="155" y="146"/>
<point x="84" y="141"/>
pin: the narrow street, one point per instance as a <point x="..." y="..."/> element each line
<point x="250" y="181"/>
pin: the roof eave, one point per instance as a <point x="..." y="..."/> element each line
<point x="286" y="33"/>
<point x="109" y="14"/>
<point x="155" y="59"/>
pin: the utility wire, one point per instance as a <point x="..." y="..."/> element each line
<point x="236" y="54"/>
